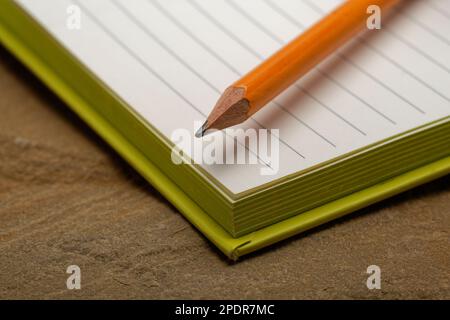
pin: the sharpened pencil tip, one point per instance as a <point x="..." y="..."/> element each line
<point x="202" y="130"/>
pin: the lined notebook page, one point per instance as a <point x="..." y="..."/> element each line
<point x="170" y="60"/>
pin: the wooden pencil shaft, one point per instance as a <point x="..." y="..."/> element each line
<point x="294" y="60"/>
<point x="258" y="87"/>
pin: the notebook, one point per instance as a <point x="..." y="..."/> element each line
<point x="370" y="121"/>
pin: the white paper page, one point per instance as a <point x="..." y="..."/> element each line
<point x="170" y="60"/>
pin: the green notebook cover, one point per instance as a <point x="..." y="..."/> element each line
<point x="35" y="48"/>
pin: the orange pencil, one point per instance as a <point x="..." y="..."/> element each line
<point x="258" y="87"/>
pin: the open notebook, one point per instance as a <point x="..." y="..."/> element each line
<point x="370" y="121"/>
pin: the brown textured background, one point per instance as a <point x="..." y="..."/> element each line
<point x="67" y="198"/>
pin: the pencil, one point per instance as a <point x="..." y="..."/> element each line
<point x="258" y="87"/>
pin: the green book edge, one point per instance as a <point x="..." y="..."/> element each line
<point x="232" y="247"/>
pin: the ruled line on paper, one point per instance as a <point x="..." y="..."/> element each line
<point x="201" y="43"/>
<point x="417" y="49"/>
<point x="441" y="11"/>
<point x="381" y="54"/>
<point x="301" y="26"/>
<point x="161" y="43"/>
<point x="261" y="58"/>
<point x="224" y="30"/>
<point x="430" y="31"/>
<point x="238" y="73"/>
<point x="424" y="26"/>
<point x="299" y="87"/>
<point x="187" y="66"/>
<point x="235" y="6"/>
<point x="257" y="55"/>
<point x="181" y="60"/>
<point x="186" y="46"/>
<point x="136" y="57"/>
<point x="290" y="18"/>
<point x="405" y="70"/>
<point x="152" y="71"/>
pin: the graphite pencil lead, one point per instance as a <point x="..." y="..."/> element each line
<point x="202" y="130"/>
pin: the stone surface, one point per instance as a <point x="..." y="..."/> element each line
<point x="67" y="198"/>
